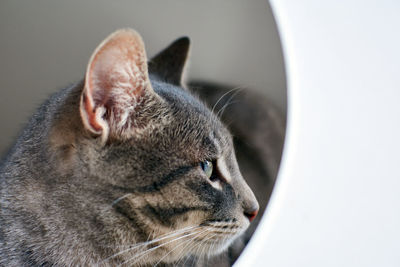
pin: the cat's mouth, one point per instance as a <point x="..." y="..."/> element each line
<point x="208" y="239"/>
<point x="219" y="235"/>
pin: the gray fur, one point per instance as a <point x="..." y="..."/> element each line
<point x="68" y="199"/>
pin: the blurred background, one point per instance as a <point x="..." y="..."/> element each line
<point x="45" y="46"/>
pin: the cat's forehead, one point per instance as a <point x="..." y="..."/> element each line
<point x="189" y="112"/>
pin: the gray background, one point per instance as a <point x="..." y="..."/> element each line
<point x="45" y="45"/>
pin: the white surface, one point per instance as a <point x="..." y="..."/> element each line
<point x="337" y="199"/>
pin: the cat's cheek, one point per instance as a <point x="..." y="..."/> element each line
<point x="190" y="218"/>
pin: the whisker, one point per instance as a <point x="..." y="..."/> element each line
<point x="160" y="238"/>
<point x="179" y="230"/>
<point x="216" y="241"/>
<point x="205" y="243"/>
<point x="213" y="245"/>
<point x="140" y="255"/>
<point x="197" y="246"/>
<point x="216" y="103"/>
<point x="229" y="102"/>
<point x="222" y="110"/>
<point x="183" y="243"/>
<point x="192" y="244"/>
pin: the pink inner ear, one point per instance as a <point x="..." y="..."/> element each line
<point x="116" y="78"/>
<point x="119" y="67"/>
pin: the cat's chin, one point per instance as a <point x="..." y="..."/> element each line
<point x="220" y="247"/>
<point x="213" y="248"/>
<point x="203" y="249"/>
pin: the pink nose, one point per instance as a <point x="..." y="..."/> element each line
<point x="251" y="215"/>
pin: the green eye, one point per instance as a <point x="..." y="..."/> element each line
<point x="207" y="167"/>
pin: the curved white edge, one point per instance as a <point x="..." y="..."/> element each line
<point x="337" y="198"/>
<point x="253" y="254"/>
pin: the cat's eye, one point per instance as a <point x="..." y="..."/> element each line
<point x="207" y="167"/>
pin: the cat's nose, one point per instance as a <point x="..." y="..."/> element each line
<point x="249" y="203"/>
<point x="251" y="214"/>
<point x="251" y="211"/>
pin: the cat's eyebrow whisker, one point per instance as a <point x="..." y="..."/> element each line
<point x="139" y="245"/>
<point x="225" y="94"/>
<point x="228" y="102"/>
<point x="140" y="255"/>
<point x="222" y="110"/>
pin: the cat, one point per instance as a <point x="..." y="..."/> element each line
<point x="125" y="168"/>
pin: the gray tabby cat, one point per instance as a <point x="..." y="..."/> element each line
<point x="125" y="168"/>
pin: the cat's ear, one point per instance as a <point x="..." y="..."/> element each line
<point x="116" y="82"/>
<point x="169" y="65"/>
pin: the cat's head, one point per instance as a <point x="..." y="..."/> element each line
<point x="160" y="168"/>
